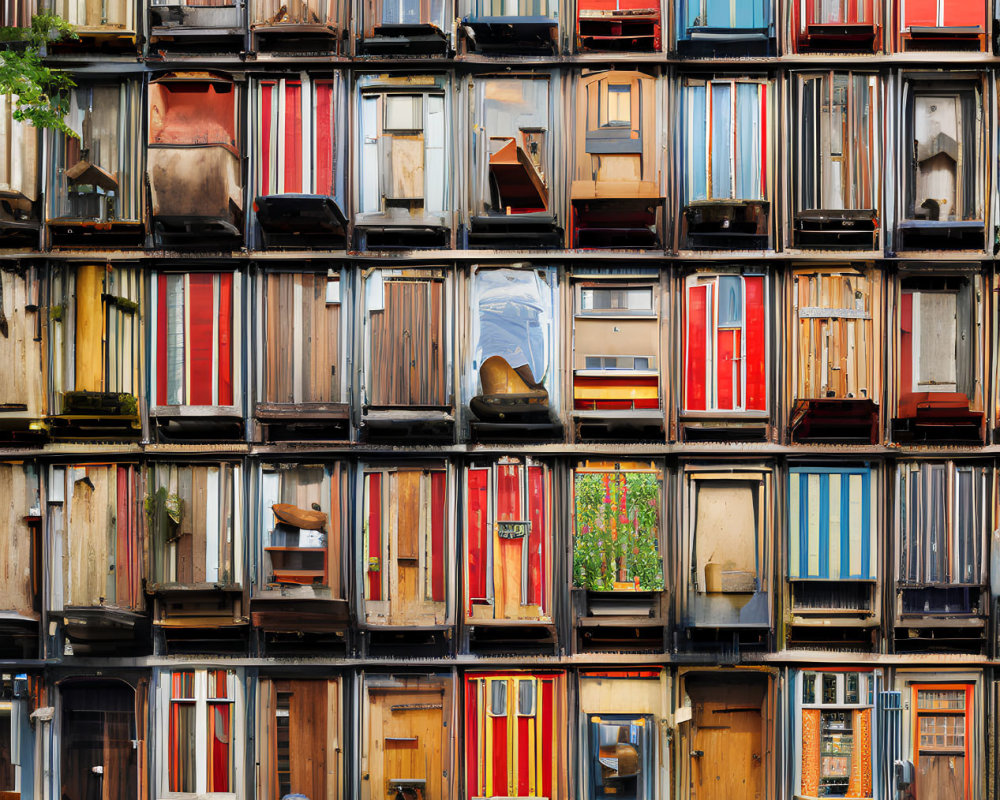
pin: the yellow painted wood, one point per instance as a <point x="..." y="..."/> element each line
<point x="89" y="328"/>
<point x="615" y="392"/>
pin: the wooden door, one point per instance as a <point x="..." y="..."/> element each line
<point x="942" y="741"/>
<point x="405" y="741"/>
<point x="302" y="738"/>
<point x="406" y="362"/>
<point x="97" y="731"/>
<point x="727" y="753"/>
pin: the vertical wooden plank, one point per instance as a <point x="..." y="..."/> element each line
<point x="199" y="496"/>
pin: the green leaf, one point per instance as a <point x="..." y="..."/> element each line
<point x="41" y="94"/>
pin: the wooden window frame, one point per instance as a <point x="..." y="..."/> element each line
<point x="969" y="689"/>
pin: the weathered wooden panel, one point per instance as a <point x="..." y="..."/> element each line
<point x="406" y="362"/>
<point x="405" y="739"/>
<point x="300" y="728"/>
<point x="21" y="346"/>
<point x="727" y="757"/>
<point x="18" y="494"/>
<point x="405" y="556"/>
<point x="94" y="517"/>
<point x="835" y="335"/>
<point x="302" y="338"/>
<point x="194" y="537"/>
<point x="19" y="168"/>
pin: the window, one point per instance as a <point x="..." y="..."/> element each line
<point x="96" y="177"/>
<point x="195" y="523"/>
<point x="201" y="736"/>
<point x="498" y="697"/>
<point x="300" y="506"/>
<point x="96" y="343"/>
<point x="619" y="110"/>
<point x="402" y="146"/>
<point x="839" y="12"/>
<point x="830" y="530"/>
<point x="527" y="689"/>
<point x="838" y="130"/>
<point x="939" y="333"/>
<point x="621" y="756"/>
<point x="196" y="343"/>
<point x="405" y="351"/>
<point x="513" y="145"/>
<point x="9" y="745"/>
<point x="942" y="754"/>
<point x="725" y="140"/>
<point x="944" y="160"/>
<point x="725" y="343"/>
<point x="616" y="300"/>
<point x="615" y="114"/>
<point x="836" y="733"/>
<point x="723" y="14"/>
<point x="513" y="318"/>
<point x="617" y="527"/>
<point x="942" y="520"/>
<point x="296" y="136"/>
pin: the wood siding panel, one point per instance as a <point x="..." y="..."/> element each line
<point x="302" y="340"/>
<point x="18" y="485"/>
<point x="21" y="349"/>
<point x="406" y="364"/>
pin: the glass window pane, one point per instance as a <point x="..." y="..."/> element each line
<point x="219" y="751"/>
<point x="218" y="685"/>
<point x="498" y="698"/>
<point x="809" y="688"/>
<point x="182" y="747"/>
<point x="829" y="689"/>
<point x="526" y="697"/>
<point x="182" y="686"/>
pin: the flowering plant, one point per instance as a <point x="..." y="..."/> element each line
<point x="617" y="522"/>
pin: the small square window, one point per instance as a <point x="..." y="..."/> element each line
<point x="498" y="698"/>
<point x="526" y="690"/>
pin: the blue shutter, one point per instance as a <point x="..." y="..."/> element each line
<point x="721" y="140"/>
<point x="697" y="160"/>
<point x="748" y="141"/>
<point x="842" y="524"/>
<point x="719" y="12"/>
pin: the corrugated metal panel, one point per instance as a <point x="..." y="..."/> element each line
<point x="942" y="519"/>
<point x="830" y="524"/>
<point x="888" y="742"/>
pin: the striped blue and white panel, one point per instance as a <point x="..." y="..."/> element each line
<point x="830" y="530"/>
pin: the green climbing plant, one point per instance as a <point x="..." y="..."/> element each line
<point x="617" y="523"/>
<point x="41" y="93"/>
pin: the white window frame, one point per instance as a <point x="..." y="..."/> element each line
<point x="237" y="733"/>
